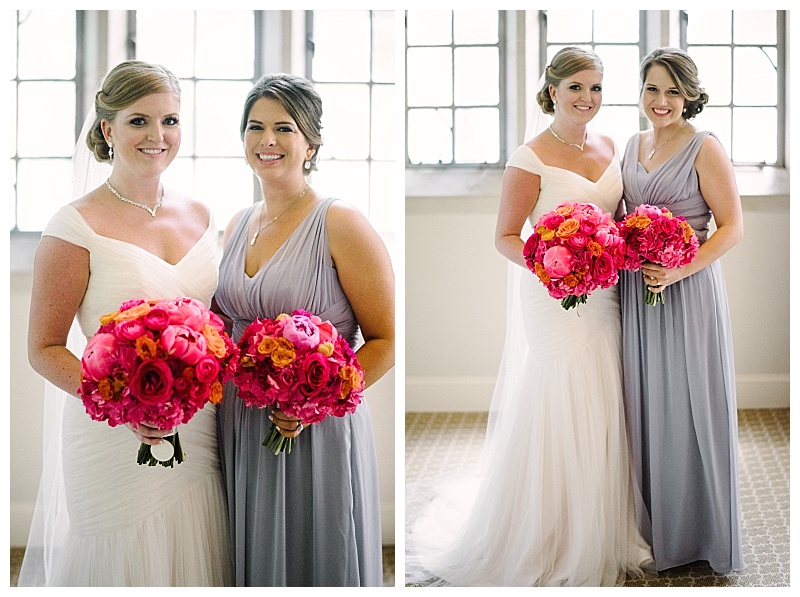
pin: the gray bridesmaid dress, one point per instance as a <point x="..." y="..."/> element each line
<point x="680" y="397"/>
<point x="312" y="517"/>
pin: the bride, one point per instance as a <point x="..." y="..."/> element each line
<point x="555" y="503"/>
<point x="101" y="519"/>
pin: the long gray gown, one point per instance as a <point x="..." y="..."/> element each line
<point x="680" y="397"/>
<point x="312" y="517"/>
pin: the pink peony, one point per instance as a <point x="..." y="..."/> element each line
<point x="100" y="356"/>
<point x="558" y="261"/>
<point x="183" y="342"/>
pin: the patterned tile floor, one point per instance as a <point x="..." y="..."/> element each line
<point x="437" y="443"/>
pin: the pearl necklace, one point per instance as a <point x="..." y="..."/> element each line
<point x="151" y="210"/>
<point x="655" y="149"/>
<point x="260" y="228"/>
<point x="578" y="145"/>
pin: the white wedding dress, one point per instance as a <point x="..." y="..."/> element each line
<point x="553" y="503"/>
<point x="126" y="524"/>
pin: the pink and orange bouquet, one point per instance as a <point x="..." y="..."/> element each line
<point x="653" y="234"/>
<point x="156" y="362"/>
<point x="300" y="365"/>
<point x="574" y="250"/>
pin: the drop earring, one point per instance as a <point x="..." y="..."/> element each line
<point x="307" y="165"/>
<point x="110" y="152"/>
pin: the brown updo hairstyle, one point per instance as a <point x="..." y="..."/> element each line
<point x="565" y="63"/>
<point x="125" y="84"/>
<point x="299" y="98"/>
<point x="683" y="71"/>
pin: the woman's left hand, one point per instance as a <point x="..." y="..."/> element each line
<point x="658" y="277"/>
<point x="287" y="426"/>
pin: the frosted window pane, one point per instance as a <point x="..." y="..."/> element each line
<point x="225" y="44"/>
<point x="430" y="78"/>
<point x="219" y="112"/>
<point x="616" y="26"/>
<point x="383" y="122"/>
<point x="714" y="68"/>
<point x="154" y="26"/>
<point x="188" y="118"/>
<point x="755" y="27"/>
<point x="12" y="119"/>
<point x="755" y="134"/>
<point x="569" y="26"/>
<point x="348" y="181"/>
<point x="11" y="44"/>
<point x="46" y="119"/>
<point x="755" y="78"/>
<point x="709" y="27"/>
<point x="341" y="45"/>
<point x="620" y="74"/>
<point x="226" y="186"/>
<point x="430" y="136"/>
<point x="43" y="187"/>
<point x="718" y="121"/>
<point x="477" y="135"/>
<point x="428" y="27"/>
<point x="383" y="46"/>
<point x="619" y="122"/>
<point x="11" y="202"/>
<point x="47" y="44"/>
<point x="475" y="27"/>
<point x="345" y="121"/>
<point x="383" y="185"/>
<point x="477" y="72"/>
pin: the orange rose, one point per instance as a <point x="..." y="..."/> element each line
<point x="267" y="345"/>
<point x="595" y="247"/>
<point x="546" y="233"/>
<point x="216" y="345"/>
<point x="688" y="231"/>
<point x="571" y="280"/>
<point x="216" y="393"/>
<point x="133" y="313"/>
<point x="247" y="361"/>
<point x="564" y="210"/>
<point x="104" y="387"/>
<point x="640" y="222"/>
<point x="541" y="272"/>
<point x="284" y="354"/>
<point x="108" y="318"/>
<point x="568" y="228"/>
<point x="146" y="347"/>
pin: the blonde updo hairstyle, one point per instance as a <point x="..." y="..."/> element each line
<point x="565" y="63"/>
<point x="683" y="71"/>
<point x="125" y="84"/>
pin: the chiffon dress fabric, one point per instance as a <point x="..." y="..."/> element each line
<point x="133" y="525"/>
<point x="680" y="395"/>
<point x="310" y="517"/>
<point x="553" y="502"/>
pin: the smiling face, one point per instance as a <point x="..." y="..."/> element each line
<point x="274" y="146"/>
<point x="662" y="101"/>
<point x="579" y="96"/>
<point x="146" y="135"/>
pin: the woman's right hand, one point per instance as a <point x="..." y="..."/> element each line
<point x="147" y="434"/>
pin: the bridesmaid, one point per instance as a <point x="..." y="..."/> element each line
<point x="678" y="357"/>
<point x="310" y="517"/>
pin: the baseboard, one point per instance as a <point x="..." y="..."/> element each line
<point x="21" y="514"/>
<point x="763" y="390"/>
<point x="474" y="394"/>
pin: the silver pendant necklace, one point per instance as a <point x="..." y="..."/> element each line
<point x="655" y="149"/>
<point x="151" y="210"/>
<point x="578" y="145"/>
<point x="260" y="228"/>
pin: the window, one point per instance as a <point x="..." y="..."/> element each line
<point x="614" y="35"/>
<point x="354" y="75"/>
<point x="43" y="124"/>
<point x="217" y="56"/>
<point x="453" y="87"/>
<point x="739" y="54"/>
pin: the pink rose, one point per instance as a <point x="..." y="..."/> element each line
<point x="156" y="318"/>
<point x="184" y="343"/>
<point x="99" y="357"/>
<point x="207" y="369"/>
<point x="327" y="332"/>
<point x="151" y="383"/>
<point x="604" y="268"/>
<point x="316" y="373"/>
<point x="129" y="330"/>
